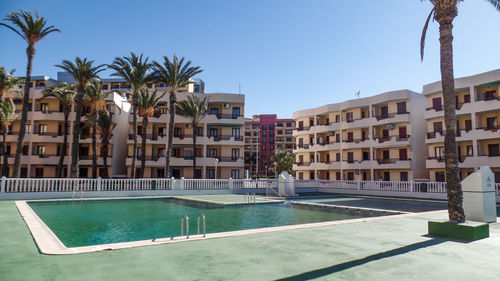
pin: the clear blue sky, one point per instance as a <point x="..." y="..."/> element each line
<point x="286" y="54"/>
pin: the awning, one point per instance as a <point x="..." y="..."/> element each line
<point x="490" y="84"/>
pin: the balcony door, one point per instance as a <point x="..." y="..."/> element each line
<point x="350" y="136"/>
<point x="350" y="157"/>
<point x="403" y="154"/>
<point x="236" y="112"/>
<point x="384" y="112"/>
<point x="403" y="133"/>
<point x="436" y="104"/>
<point x="385" y="134"/>
<point x="493" y="150"/>
<point x="236" y="133"/>
<point x="401" y="107"/>
<point x="385" y="154"/>
<point x="214" y="111"/>
<point x="491" y="123"/>
<point x="438" y="127"/>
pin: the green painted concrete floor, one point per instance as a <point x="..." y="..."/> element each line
<point x="390" y="249"/>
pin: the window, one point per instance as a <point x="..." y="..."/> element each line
<point x="213" y="132"/>
<point x="24" y="172"/>
<point x="436" y="104"/>
<point x="271" y="134"/>
<point x="289" y="139"/>
<point x="403" y="176"/>
<point x="468" y="125"/>
<point x="337" y="118"/>
<point x="337" y="157"/>
<point x="279" y="132"/>
<point x="214" y="111"/>
<point x="491" y="123"/>
<point x="177" y="132"/>
<point x="387" y="176"/>
<point x="466" y="98"/>
<point x="104" y="86"/>
<point x="403" y="154"/>
<point x="439" y="176"/>
<point x="288" y="132"/>
<point x="39" y="172"/>
<point x="197" y="174"/>
<point x="438" y="127"/>
<point x="264" y="134"/>
<point x="271" y="127"/>
<point x="42" y="129"/>
<point x="212" y="152"/>
<point x="366" y="155"/>
<point x="149" y="85"/>
<point x="349" y="117"/>
<point x="401" y="107"/>
<point x="493" y="150"/>
<point x="236" y="112"/>
<point x="44" y="107"/>
<point x="235" y="153"/>
<point x="289" y="125"/>
<point x="301" y="176"/>
<point x="84" y="172"/>
<point x="350" y="157"/>
<point x="350" y="176"/>
<point x="236" y="133"/>
<point x="199" y="131"/>
<point x="235" y="174"/>
<point x="470" y="152"/>
<point x="439" y="152"/>
<point x="264" y="127"/>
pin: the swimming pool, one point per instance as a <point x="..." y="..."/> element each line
<point x="95" y="222"/>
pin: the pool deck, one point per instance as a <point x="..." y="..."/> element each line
<point x="394" y="248"/>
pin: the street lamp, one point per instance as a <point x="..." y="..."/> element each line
<point x="216" y="162"/>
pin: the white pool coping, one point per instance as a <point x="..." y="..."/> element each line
<point x="48" y="243"/>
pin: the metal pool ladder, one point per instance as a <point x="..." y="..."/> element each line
<point x="249" y="198"/>
<point x="202" y="216"/>
<point x="187" y="226"/>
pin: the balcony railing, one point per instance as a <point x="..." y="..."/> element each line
<point x="461" y="159"/>
<point x="389" y="115"/>
<point x="388" y="138"/>
<point x="435" y="107"/>
<point x="392" y="160"/>
<point x="487" y="97"/>
<point x="50" y="134"/>
<point x="490" y="128"/>
<point x="433" y="135"/>
<point x="303" y="128"/>
<point x="227" y="116"/>
<point x="46" y="111"/>
<point x="304" y="146"/>
<point x="354" y="140"/>
<point x="226" y="137"/>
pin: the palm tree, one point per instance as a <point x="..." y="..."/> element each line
<point x="134" y="70"/>
<point x="7" y="116"/>
<point x="175" y="74"/>
<point x="82" y="71"/>
<point x="65" y="93"/>
<point x="95" y="98"/>
<point x="105" y="126"/>
<point x="32" y="30"/>
<point x="284" y="161"/>
<point x="444" y="12"/>
<point x="194" y="109"/>
<point x="8" y="83"/>
<point x="148" y="104"/>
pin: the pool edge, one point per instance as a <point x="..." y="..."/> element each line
<point x="48" y="243"/>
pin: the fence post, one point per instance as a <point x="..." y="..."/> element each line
<point x="2" y="190"/>
<point x="172" y="182"/>
<point x="182" y="183"/>
<point x="230" y="183"/>
<point x="359" y="184"/>
<point x="99" y="183"/>
<point x="411" y="185"/>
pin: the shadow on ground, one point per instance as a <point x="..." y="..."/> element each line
<point x="346" y="265"/>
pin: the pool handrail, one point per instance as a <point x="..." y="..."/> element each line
<point x="187" y="225"/>
<point x="204" y="224"/>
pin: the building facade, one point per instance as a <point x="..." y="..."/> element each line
<point x="374" y="138"/>
<point x="477" y="132"/>
<point x="219" y="139"/>
<point x="43" y="140"/>
<point x="264" y="134"/>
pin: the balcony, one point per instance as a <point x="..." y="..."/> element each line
<point x="394" y="163"/>
<point x="355" y="143"/>
<point x="392" y="138"/>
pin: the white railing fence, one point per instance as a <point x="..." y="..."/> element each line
<point x="68" y="185"/>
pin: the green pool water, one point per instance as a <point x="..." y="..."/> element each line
<point x="111" y="221"/>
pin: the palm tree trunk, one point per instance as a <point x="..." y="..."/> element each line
<point x="30" y="52"/>
<point x="94" y="147"/>
<point x="143" y="143"/>
<point x="65" y="143"/>
<point x="195" y="125"/>
<point x="76" y="132"/>
<point x="135" y="101"/>
<point x="454" y="189"/>
<point x="5" y="168"/>
<point x="171" y="125"/>
<point x="105" y="145"/>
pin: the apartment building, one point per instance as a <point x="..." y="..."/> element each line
<point x="43" y="141"/>
<point x="375" y="138"/>
<point x="219" y="147"/>
<point x="264" y="134"/>
<point x="478" y="131"/>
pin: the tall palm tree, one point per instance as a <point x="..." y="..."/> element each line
<point x="65" y="93"/>
<point x="444" y="12"/>
<point x="32" y="30"/>
<point x="96" y="99"/>
<point x="194" y="109"/>
<point x="7" y="116"/>
<point x="148" y="104"/>
<point x="8" y="83"/>
<point x="135" y="71"/>
<point x="105" y="126"/>
<point x="82" y="70"/>
<point x="175" y="74"/>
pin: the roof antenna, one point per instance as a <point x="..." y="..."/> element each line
<point x="239" y="88"/>
<point x="357" y="94"/>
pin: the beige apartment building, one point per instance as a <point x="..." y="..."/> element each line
<point x="478" y="130"/>
<point x="375" y="138"/>
<point x="219" y="145"/>
<point x="44" y="136"/>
